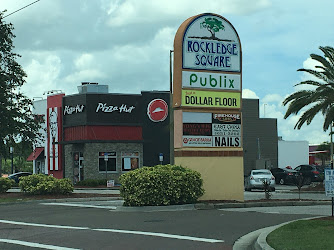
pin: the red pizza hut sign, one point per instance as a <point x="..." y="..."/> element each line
<point x="157" y="110"/>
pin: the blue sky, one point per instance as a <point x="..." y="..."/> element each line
<point x="126" y="44"/>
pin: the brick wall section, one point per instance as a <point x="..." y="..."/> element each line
<point x="91" y="153"/>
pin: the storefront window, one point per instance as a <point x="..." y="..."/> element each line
<point x="107" y="159"/>
<point x="130" y="161"/>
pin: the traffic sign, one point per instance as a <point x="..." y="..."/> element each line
<point x="329" y="182"/>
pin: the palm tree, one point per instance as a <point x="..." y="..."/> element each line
<point x="321" y="98"/>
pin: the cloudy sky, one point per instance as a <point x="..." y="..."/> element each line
<point x="126" y="44"/>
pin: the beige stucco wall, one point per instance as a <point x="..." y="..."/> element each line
<point x="223" y="177"/>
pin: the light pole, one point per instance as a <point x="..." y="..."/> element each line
<point x="331" y="128"/>
<point x="170" y="71"/>
<point x="331" y="131"/>
<point x="264" y="110"/>
<point x="11" y="151"/>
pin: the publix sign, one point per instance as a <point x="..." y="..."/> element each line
<point x="210" y="80"/>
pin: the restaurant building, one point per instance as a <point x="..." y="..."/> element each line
<point x="96" y="134"/>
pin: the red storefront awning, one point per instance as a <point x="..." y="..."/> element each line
<point x="33" y="156"/>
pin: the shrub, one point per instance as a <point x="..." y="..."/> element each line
<point x="44" y="184"/>
<point x="92" y="182"/>
<point x="6" y="184"/>
<point x="161" y="185"/>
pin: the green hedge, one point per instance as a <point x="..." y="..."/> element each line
<point x="161" y="185"/>
<point x="6" y="184"/>
<point x="92" y="182"/>
<point x="45" y="184"/>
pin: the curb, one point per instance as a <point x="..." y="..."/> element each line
<point x="186" y="207"/>
<point x="207" y="206"/>
<point x="261" y="242"/>
<point x="247" y="240"/>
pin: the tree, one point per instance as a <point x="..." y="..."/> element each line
<point x="320" y="99"/>
<point x="17" y="121"/>
<point x="213" y="25"/>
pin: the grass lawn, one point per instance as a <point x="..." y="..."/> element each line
<point x="304" y="235"/>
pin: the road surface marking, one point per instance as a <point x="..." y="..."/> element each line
<point x="172" y="236"/>
<point x="32" y="244"/>
<point x="78" y="205"/>
<point x="42" y="225"/>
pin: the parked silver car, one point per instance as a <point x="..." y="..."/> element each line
<point x="257" y="178"/>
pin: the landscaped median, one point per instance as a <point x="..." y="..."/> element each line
<point x="306" y="234"/>
<point x="42" y="187"/>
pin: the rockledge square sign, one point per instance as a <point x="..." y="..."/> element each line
<point x="207" y="58"/>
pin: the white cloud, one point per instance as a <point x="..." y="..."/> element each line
<point x="42" y="12"/>
<point x="43" y="72"/>
<point x="150" y="11"/>
<point x="89" y="75"/>
<point x="85" y="61"/>
<point x="272" y="98"/>
<point x="247" y="93"/>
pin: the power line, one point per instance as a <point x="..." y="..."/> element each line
<point x="21" y="8"/>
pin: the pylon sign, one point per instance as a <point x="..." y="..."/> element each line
<point x="207" y="82"/>
<point x="207" y="64"/>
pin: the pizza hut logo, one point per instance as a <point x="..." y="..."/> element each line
<point x="157" y="110"/>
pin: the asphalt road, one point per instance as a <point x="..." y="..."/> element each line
<point x="96" y="225"/>
<point x="99" y="225"/>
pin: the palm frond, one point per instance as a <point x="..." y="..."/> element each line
<point x="317" y="74"/>
<point x="329" y="118"/>
<point x="321" y="59"/>
<point x="318" y="100"/>
<point x="310" y="82"/>
<point x="329" y="53"/>
<point x="308" y="115"/>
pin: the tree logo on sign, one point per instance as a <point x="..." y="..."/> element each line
<point x="213" y="25"/>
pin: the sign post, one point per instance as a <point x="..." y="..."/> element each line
<point x="329" y="185"/>
<point x="106" y="161"/>
<point x="161" y="158"/>
<point x="11" y="150"/>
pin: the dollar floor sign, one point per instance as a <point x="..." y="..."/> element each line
<point x="207" y="85"/>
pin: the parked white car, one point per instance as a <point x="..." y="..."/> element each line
<point x="257" y="178"/>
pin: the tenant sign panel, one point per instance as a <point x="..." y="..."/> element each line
<point x="211" y="129"/>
